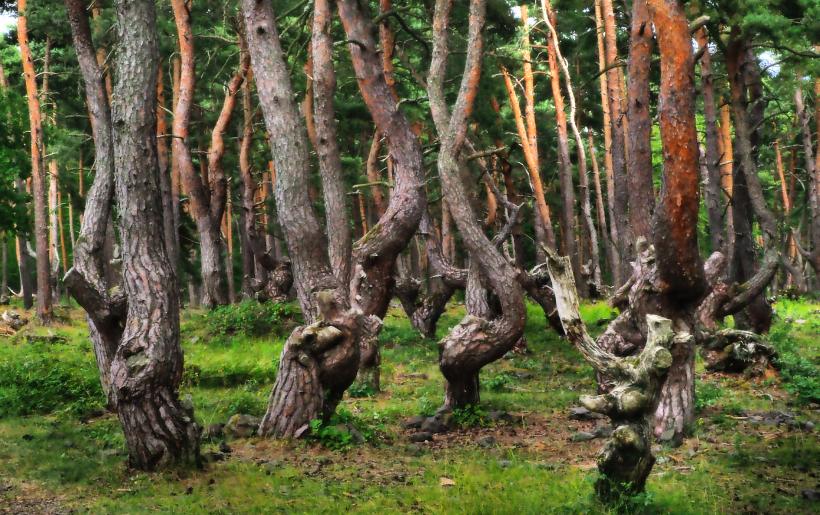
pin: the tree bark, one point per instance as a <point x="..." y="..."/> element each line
<point x="564" y="163"/>
<point x="374" y="256"/>
<point x="87" y="280"/>
<point x="714" y="196"/>
<point x="44" y="301"/>
<point x="147" y="367"/>
<point x="639" y="165"/>
<point x="169" y="230"/>
<point x="327" y="143"/>
<point x="320" y="360"/>
<point x="586" y="208"/>
<point x="204" y="202"/>
<point x="617" y="148"/>
<point x="814" y="177"/>
<point x="612" y="243"/>
<point x="475" y="341"/>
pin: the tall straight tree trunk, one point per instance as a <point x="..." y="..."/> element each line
<point x="814" y="177"/>
<point x="712" y="154"/>
<point x="564" y="163"/>
<point x="679" y="264"/>
<point x="53" y="180"/>
<point x="639" y="165"/>
<point x="327" y="143"/>
<point x="169" y="230"/>
<point x="477" y="340"/>
<point x="586" y="207"/>
<point x="612" y="243"/>
<point x="726" y="175"/>
<point x="204" y="202"/>
<point x="147" y="367"/>
<point x="617" y="118"/>
<point x="44" y="307"/>
<point x="599" y="196"/>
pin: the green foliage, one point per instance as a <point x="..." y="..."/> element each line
<point x="706" y="395"/>
<point x="470" y="416"/>
<point x="361" y="389"/>
<point x="252" y="318"/>
<point x="798" y="355"/>
<point x="344" y="430"/>
<point x="497" y="382"/>
<point x="41" y="378"/>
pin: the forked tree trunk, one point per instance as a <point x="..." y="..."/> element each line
<point x="87" y="280"/>
<point x="44" y="307"/>
<point x="374" y="256"/>
<point x="564" y="163"/>
<point x="320" y="360"/>
<point x="147" y="367"/>
<point x="475" y="341"/>
<point x="204" y="201"/>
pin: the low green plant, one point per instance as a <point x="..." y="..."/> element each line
<point x="498" y="382"/>
<point x="44" y="378"/>
<point x="706" y="395"/>
<point x="344" y="430"/>
<point x="471" y="415"/>
<point x="252" y="318"/>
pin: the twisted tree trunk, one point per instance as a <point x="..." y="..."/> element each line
<point x="147" y="367"/>
<point x="475" y="341"/>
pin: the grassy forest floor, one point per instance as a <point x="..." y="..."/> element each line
<point x="753" y="449"/>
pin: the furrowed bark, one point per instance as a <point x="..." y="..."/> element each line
<point x="374" y="255"/>
<point x="327" y="143"/>
<point x="44" y="301"/>
<point x="639" y="164"/>
<point x="320" y="360"/>
<point x="169" y="229"/>
<point x="814" y="177"/>
<point x="87" y="280"/>
<point x="475" y="341"/>
<point x="147" y="367"/>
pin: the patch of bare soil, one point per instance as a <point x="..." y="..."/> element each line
<point x="25" y="499"/>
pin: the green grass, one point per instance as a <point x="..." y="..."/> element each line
<point x="47" y="451"/>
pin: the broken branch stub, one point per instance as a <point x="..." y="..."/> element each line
<point x="626" y="460"/>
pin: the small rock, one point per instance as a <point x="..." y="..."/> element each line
<point x="661" y="460"/>
<point x="810" y="494"/>
<point x="413" y="422"/>
<point x="421" y="436"/>
<point x="581" y="436"/>
<point x="356" y="435"/>
<point x="241" y="426"/>
<point x="808" y="426"/>
<point x="438" y="423"/>
<point x="504" y="464"/>
<point x="214" y="431"/>
<point x="581" y="413"/>
<point x="604" y="431"/>
<point x="486" y="441"/>
<point x="224" y="447"/>
<point x="446" y="481"/>
<point x="523" y="375"/>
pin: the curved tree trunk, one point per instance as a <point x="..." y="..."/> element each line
<point x="475" y="341"/>
<point x="87" y="280"/>
<point x="202" y="205"/>
<point x="147" y="367"/>
<point x="374" y="255"/>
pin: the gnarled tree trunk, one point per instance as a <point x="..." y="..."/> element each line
<point x="147" y="367"/>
